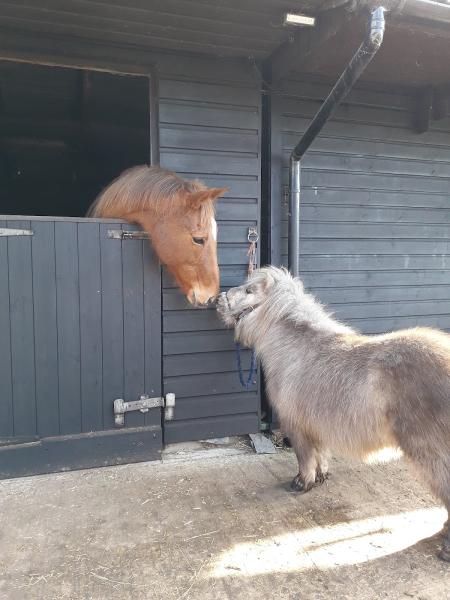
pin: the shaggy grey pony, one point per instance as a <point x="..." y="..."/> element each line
<point x="335" y="389"/>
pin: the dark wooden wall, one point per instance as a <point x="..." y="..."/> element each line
<point x="80" y="323"/>
<point x="66" y="133"/>
<point x="210" y="125"/>
<point x="375" y="214"/>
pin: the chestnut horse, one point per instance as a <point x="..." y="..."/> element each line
<point x="178" y="215"/>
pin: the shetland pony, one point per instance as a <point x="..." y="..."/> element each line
<point x="336" y="389"/>
<point x="178" y="215"/>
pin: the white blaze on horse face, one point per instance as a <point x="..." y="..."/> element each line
<point x="214" y="229"/>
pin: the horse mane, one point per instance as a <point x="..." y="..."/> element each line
<point x="145" y="187"/>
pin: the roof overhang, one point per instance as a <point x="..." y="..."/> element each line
<point x="416" y="51"/>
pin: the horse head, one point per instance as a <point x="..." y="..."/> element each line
<point x="179" y="218"/>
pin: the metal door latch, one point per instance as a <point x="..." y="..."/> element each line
<point x="5" y="232"/>
<point x="118" y="234"/>
<point x="144" y="404"/>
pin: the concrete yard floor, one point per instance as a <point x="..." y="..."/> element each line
<point x="220" y="525"/>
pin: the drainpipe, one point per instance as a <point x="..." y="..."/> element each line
<point x="357" y="65"/>
<point x="427" y="10"/>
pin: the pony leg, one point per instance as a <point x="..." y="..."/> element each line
<point x="322" y="466"/>
<point x="444" y="554"/>
<point x="435" y="470"/>
<point x="307" y="462"/>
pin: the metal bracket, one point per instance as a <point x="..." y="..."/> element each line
<point x="144" y="404"/>
<point x="253" y="235"/>
<point x="169" y="410"/>
<point x="118" y="234"/>
<point x="5" y="232"/>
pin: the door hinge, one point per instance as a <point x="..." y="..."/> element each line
<point x="118" y="234"/>
<point x="4" y="232"/>
<point x="144" y="404"/>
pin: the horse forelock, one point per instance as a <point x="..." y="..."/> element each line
<point x="146" y="188"/>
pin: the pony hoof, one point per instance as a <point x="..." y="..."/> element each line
<point x="321" y="477"/>
<point x="444" y="554"/>
<point x="299" y="486"/>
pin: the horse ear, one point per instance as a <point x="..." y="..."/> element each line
<point x="195" y="199"/>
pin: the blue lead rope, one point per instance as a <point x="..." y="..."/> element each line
<point x="253" y="238"/>
<point x="251" y="374"/>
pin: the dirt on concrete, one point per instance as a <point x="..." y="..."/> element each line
<point x="216" y="525"/>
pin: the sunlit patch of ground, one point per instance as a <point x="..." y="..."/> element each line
<point x="384" y="456"/>
<point x="328" y="547"/>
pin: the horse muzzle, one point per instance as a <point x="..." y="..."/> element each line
<point x="201" y="298"/>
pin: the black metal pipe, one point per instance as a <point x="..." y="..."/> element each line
<point x="344" y="84"/>
<point x="294" y="217"/>
<point x="153" y="91"/>
<point x="424" y="9"/>
<point x="437" y="13"/>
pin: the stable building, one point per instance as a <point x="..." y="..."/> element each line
<point x="220" y="91"/>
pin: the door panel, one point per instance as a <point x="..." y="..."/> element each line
<point x="80" y="316"/>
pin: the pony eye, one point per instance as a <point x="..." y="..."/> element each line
<point x="199" y="241"/>
<point x="248" y="290"/>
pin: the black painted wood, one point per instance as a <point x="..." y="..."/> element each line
<point x="133" y="315"/>
<point x="152" y="330"/>
<point x="210" y="122"/>
<point x="207" y="428"/>
<point x="45" y="328"/>
<point x="375" y="216"/>
<point x="68" y="311"/>
<point x="6" y="398"/>
<point x="200" y="407"/>
<point x="22" y="329"/>
<point x="222" y="30"/>
<point x="71" y="452"/>
<point x="91" y="347"/>
<point x="81" y="315"/>
<point x="209" y="384"/>
<point x="211" y="130"/>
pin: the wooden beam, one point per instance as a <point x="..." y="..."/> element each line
<point x="65" y="130"/>
<point x="423" y="110"/>
<point x="289" y="56"/>
<point x="73" y="53"/>
<point x="80" y="112"/>
<point x="441" y="97"/>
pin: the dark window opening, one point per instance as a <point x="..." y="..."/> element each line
<point x="65" y="134"/>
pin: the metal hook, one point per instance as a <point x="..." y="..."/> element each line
<point x="253" y="235"/>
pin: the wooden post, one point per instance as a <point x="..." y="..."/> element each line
<point x="423" y="110"/>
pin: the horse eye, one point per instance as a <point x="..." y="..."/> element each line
<point x="199" y="241"/>
<point x="248" y="291"/>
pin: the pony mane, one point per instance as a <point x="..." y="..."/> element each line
<point x="142" y="188"/>
<point x="287" y="300"/>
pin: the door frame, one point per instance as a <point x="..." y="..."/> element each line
<point x="150" y="71"/>
<point x="99" y="448"/>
